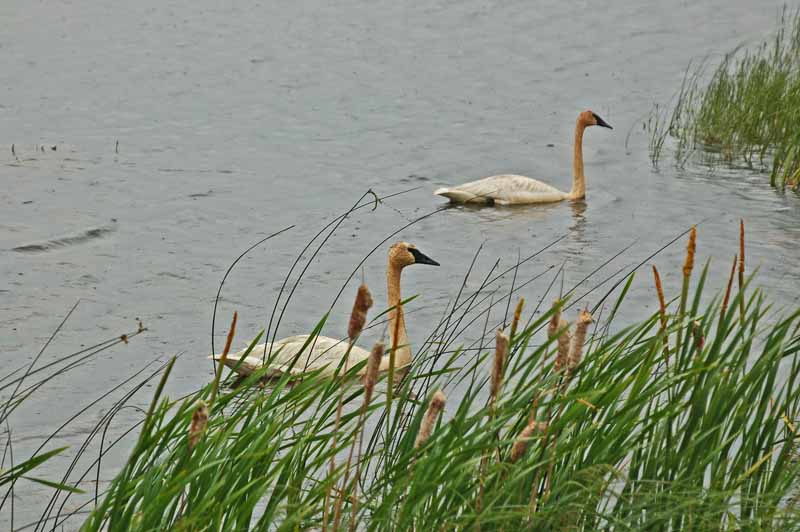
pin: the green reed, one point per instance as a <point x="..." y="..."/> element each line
<point x="743" y="112"/>
<point x="622" y="440"/>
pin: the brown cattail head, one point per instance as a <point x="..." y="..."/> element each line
<point x="521" y="443"/>
<point x="697" y="333"/>
<point x="429" y="420"/>
<point x="690" y="249"/>
<point x="198" y="426"/>
<point x="555" y="320"/>
<point x="371" y="375"/>
<point x="741" y="247"/>
<point x="662" y="305"/>
<point x="358" y="317"/>
<point x="563" y="345"/>
<point x="500" y="355"/>
<point x="517" y="314"/>
<point x="576" y="351"/>
<point x="726" y="299"/>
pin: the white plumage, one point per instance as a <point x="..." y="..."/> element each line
<point x="323" y="353"/>
<point x="503" y="190"/>
<point x="517" y="189"/>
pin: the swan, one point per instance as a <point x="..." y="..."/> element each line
<point x="324" y="353"/>
<point x="517" y="189"/>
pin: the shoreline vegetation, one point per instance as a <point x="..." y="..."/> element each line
<point x="743" y="112"/>
<point x="687" y="419"/>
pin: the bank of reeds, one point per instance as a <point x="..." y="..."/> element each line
<point x="743" y="112"/>
<point x="615" y="438"/>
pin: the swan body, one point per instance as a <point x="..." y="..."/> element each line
<point x="288" y="356"/>
<point x="503" y="190"/>
<point x="517" y="189"/>
<point x="301" y="354"/>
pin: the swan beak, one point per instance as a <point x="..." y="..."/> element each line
<point x="420" y="258"/>
<point x="601" y="122"/>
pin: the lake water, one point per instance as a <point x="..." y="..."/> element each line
<point x="234" y="122"/>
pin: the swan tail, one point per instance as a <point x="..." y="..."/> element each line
<point x="454" y="195"/>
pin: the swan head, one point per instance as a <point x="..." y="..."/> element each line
<point x="588" y="118"/>
<point x="403" y="254"/>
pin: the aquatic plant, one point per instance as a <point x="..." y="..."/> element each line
<point x="20" y="384"/>
<point x="617" y="439"/>
<point x="743" y="112"/>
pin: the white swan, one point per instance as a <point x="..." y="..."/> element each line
<point x="517" y="189"/>
<point x="324" y="353"/>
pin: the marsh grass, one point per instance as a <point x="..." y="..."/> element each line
<point x="620" y="440"/>
<point x="743" y="112"/>
<point x="615" y="438"/>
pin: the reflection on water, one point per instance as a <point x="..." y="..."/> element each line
<point x="579" y="220"/>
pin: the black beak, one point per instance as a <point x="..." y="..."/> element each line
<point x="601" y="122"/>
<point x="420" y="258"/>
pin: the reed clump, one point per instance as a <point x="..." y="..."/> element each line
<point x="594" y="436"/>
<point x="745" y="113"/>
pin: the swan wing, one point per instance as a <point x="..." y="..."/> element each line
<point x="503" y="189"/>
<point x="297" y="355"/>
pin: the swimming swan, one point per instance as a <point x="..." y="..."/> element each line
<point x="517" y="189"/>
<point x="324" y="353"/>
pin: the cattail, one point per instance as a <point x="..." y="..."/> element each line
<point x="371" y="375"/>
<point x="198" y="426"/>
<point x="662" y="311"/>
<point x="741" y="268"/>
<point x="727" y="297"/>
<point x="500" y="354"/>
<point x="358" y="317"/>
<point x="562" y="358"/>
<point x="699" y="339"/>
<point x="555" y="320"/>
<point x="521" y="443"/>
<point x="688" y="265"/>
<point x="224" y="357"/>
<point x="431" y="414"/>
<point x="741" y="248"/>
<point x="662" y="305"/>
<point x="517" y="314"/>
<point x="576" y="351"/>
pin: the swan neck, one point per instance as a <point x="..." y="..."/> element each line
<point x="397" y="322"/>
<point x="578" y="179"/>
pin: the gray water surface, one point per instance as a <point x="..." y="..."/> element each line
<point x="234" y="122"/>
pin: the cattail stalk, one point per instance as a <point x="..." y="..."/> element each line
<point x="435" y="407"/>
<point x="370" y="379"/>
<point x="727" y="297"/>
<point x="500" y="354"/>
<point x="199" y="423"/>
<point x="223" y="358"/>
<point x="662" y="311"/>
<point x="688" y="265"/>
<point x="358" y="317"/>
<point x="741" y="269"/>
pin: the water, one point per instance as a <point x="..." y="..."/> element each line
<point x="234" y="122"/>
